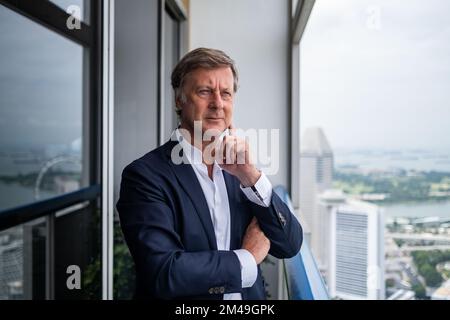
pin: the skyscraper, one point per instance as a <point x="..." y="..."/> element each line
<point x="357" y="251"/>
<point x="316" y="175"/>
<point x="326" y="202"/>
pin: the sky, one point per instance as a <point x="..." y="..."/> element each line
<point x="376" y="74"/>
<point x="40" y="85"/>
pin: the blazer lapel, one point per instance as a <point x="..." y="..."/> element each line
<point x="188" y="181"/>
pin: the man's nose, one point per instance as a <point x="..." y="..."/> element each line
<point x="217" y="101"/>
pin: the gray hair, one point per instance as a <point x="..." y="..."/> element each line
<point x="200" y="58"/>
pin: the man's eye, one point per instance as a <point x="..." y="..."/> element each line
<point x="226" y="94"/>
<point x="204" y="91"/>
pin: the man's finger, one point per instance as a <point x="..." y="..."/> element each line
<point x="229" y="152"/>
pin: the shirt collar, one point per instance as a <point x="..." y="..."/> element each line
<point x="192" y="153"/>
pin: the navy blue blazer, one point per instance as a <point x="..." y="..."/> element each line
<point x="167" y="226"/>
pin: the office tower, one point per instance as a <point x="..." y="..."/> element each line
<point x="357" y="251"/>
<point x="316" y="175"/>
<point x="326" y="201"/>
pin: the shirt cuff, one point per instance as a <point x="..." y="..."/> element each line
<point x="261" y="192"/>
<point x="249" y="268"/>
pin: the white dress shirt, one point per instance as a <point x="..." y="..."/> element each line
<point x="216" y="195"/>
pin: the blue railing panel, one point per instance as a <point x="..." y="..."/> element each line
<point x="303" y="277"/>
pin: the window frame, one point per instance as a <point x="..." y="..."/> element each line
<point x="89" y="36"/>
<point x="178" y="12"/>
<point x="300" y="16"/>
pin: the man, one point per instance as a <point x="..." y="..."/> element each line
<point x="199" y="228"/>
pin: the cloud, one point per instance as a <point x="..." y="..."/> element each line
<point x="40" y="83"/>
<point x="384" y="87"/>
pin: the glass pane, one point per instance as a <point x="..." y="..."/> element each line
<point x="41" y="112"/>
<point x="75" y="7"/>
<point x="22" y="261"/>
<point x="375" y="111"/>
<point x="77" y="244"/>
<point x="26" y="257"/>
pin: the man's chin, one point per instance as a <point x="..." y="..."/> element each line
<point x="214" y="128"/>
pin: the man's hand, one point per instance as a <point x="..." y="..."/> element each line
<point x="235" y="159"/>
<point x="256" y="242"/>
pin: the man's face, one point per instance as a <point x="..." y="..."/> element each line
<point x="209" y="98"/>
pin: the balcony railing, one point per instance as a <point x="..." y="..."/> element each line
<point x="302" y="276"/>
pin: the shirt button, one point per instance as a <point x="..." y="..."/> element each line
<point x="222" y="289"/>
<point x="216" y="290"/>
<point x="211" y="290"/>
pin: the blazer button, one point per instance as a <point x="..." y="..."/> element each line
<point x="211" y="290"/>
<point x="222" y="289"/>
<point x="216" y="290"/>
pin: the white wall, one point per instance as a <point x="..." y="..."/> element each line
<point x="255" y="34"/>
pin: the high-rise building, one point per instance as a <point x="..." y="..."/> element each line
<point x="316" y="175"/>
<point x="326" y="201"/>
<point x="356" y="251"/>
<point x="346" y="235"/>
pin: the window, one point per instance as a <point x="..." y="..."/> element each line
<point x="50" y="145"/>
<point x="41" y="98"/>
<point x="374" y="76"/>
<point x="22" y="261"/>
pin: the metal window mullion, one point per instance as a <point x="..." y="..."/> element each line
<point x="108" y="150"/>
<point x="300" y="19"/>
<point x="177" y="9"/>
<point x="161" y="78"/>
<point x="50" y="257"/>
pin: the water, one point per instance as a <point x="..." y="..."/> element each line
<point x="422" y="209"/>
<point x="13" y="195"/>
<point x="386" y="160"/>
<point x="420" y="160"/>
<point x="9" y="168"/>
<point x="27" y="161"/>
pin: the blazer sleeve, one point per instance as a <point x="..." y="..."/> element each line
<point x="162" y="263"/>
<point x="280" y="226"/>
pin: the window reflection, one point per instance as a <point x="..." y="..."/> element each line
<point x="41" y="112"/>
